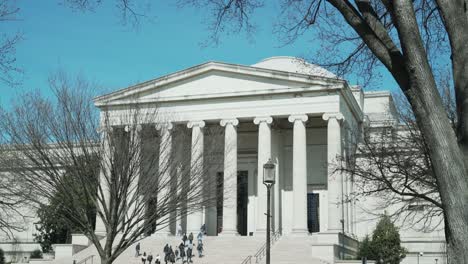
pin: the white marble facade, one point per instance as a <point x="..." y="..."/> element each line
<point x="299" y="115"/>
<point x="282" y="108"/>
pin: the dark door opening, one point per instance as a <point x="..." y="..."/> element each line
<point x="219" y="201"/>
<point x="242" y="201"/>
<point x="313" y="220"/>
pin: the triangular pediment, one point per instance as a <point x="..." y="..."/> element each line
<point x="213" y="80"/>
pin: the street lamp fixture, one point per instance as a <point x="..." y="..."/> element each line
<point x="269" y="180"/>
<point x="420" y="254"/>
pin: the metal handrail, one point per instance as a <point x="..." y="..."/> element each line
<point x="261" y="252"/>
<point x="85" y="261"/>
<point x="247" y="260"/>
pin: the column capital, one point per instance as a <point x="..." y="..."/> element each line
<point x="262" y="119"/>
<point x="232" y="121"/>
<point x="165" y="125"/>
<point x="337" y="116"/>
<point x="129" y="128"/>
<point x="300" y="117"/>
<point x="199" y="123"/>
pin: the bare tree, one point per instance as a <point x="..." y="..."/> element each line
<point x="391" y="161"/>
<point x="403" y="37"/>
<point x="8" y="68"/>
<point x="131" y="11"/>
<point x="138" y="188"/>
<point x="13" y="213"/>
<point x="392" y="164"/>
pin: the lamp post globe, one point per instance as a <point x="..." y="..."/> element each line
<point x="269" y="180"/>
<point x="269" y="172"/>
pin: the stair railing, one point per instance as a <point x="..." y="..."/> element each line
<point x="87" y="260"/>
<point x="262" y="251"/>
<point x="247" y="260"/>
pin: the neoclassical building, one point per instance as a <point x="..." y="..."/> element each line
<point x="295" y="113"/>
<point x="300" y="116"/>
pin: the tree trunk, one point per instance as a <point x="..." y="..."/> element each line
<point x="446" y="155"/>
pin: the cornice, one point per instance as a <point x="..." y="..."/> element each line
<point x="214" y="66"/>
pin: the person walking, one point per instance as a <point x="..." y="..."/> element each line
<point x="200" y="250"/>
<point x="179" y="230"/>
<point x="166" y="253"/>
<point x="200" y="237"/>
<point x="157" y="259"/>
<point x="150" y="258"/>
<point x="203" y="229"/>
<point x="190" y="237"/>
<point x="143" y="258"/>
<point x="189" y="254"/>
<point x="182" y="252"/>
<point x="172" y="256"/>
<point x="184" y="238"/>
<point x="137" y="250"/>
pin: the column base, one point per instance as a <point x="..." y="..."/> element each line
<point x="300" y="232"/>
<point x="229" y="233"/>
<point x="162" y="234"/>
<point x="261" y="232"/>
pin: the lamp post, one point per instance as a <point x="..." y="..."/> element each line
<point x="269" y="181"/>
<point x="420" y="254"/>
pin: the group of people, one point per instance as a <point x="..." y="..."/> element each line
<point x="149" y="257"/>
<point x="183" y="251"/>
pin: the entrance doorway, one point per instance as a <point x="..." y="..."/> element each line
<point x="313" y="223"/>
<point x="242" y="201"/>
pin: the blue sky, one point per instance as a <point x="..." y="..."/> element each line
<point x="98" y="46"/>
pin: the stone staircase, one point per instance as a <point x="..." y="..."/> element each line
<point x="294" y="249"/>
<point x="217" y="250"/>
<point x="319" y="248"/>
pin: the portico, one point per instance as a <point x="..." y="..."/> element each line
<point x="274" y="109"/>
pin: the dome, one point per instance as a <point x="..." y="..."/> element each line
<point x="293" y="64"/>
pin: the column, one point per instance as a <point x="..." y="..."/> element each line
<point x="134" y="199"/>
<point x="275" y="157"/>
<point x="104" y="192"/>
<point x="347" y="180"/>
<point x="299" y="174"/>
<point x="165" y="175"/>
<point x="230" y="177"/>
<point x="264" y="153"/>
<point x="335" y="179"/>
<point x="194" y="220"/>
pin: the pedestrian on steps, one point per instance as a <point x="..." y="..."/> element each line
<point x="150" y="258"/>
<point x="200" y="250"/>
<point x="143" y="258"/>
<point x="190" y="237"/>
<point x="203" y="229"/>
<point x="182" y="252"/>
<point x="189" y="255"/>
<point x="137" y="249"/>
<point x="157" y="260"/>
<point x="166" y="253"/>
<point x="172" y="257"/>
<point x="179" y="230"/>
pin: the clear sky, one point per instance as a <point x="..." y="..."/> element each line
<point x="98" y="46"/>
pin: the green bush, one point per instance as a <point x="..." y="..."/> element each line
<point x="2" y="256"/>
<point x="385" y="244"/>
<point x="36" y="254"/>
